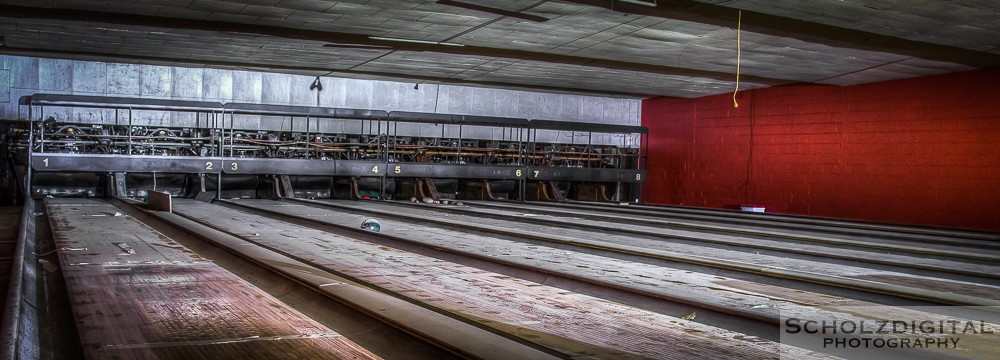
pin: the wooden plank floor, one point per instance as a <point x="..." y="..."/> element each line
<point x="575" y="324"/>
<point x="761" y="300"/>
<point x="762" y="223"/>
<point x="983" y="290"/>
<point x="751" y="297"/>
<point x="857" y="250"/>
<point x="136" y="294"/>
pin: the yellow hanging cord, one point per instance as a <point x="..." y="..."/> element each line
<point x="739" y="24"/>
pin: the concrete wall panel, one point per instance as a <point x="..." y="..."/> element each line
<point x="55" y="75"/>
<point x="149" y="117"/>
<point x="243" y="122"/>
<point x="27" y="75"/>
<point x="274" y="123"/>
<point x="299" y="91"/>
<point x="156" y="82"/>
<point x="569" y="107"/>
<point x="124" y="80"/>
<point x="334" y="92"/>
<point x="187" y="83"/>
<point x="23" y="71"/>
<point x="217" y="85"/>
<point x="4" y="86"/>
<point x="390" y="94"/>
<point x="359" y="93"/>
<point x="90" y="78"/>
<point x="247" y="86"/>
<point x="185" y="119"/>
<point x="422" y="99"/>
<point x="275" y="89"/>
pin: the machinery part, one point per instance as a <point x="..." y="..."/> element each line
<point x="371" y="225"/>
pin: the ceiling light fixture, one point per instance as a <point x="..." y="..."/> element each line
<point x="508" y="13"/>
<point x="381" y="38"/>
<point x="650" y="3"/>
<point x="316" y="85"/>
<point x="358" y="46"/>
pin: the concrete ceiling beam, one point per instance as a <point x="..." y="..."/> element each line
<point x="812" y="32"/>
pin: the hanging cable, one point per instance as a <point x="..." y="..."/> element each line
<point x="739" y="25"/>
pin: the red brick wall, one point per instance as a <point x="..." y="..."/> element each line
<point x="918" y="151"/>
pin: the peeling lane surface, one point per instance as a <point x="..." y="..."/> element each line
<point x="136" y="294"/>
<point x="990" y="290"/>
<point x="573" y="323"/>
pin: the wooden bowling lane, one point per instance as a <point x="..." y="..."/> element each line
<point x="574" y="324"/>
<point x="136" y="294"/>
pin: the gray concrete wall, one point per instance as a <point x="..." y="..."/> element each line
<point x="28" y="75"/>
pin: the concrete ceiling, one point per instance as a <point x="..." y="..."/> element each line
<point x="636" y="48"/>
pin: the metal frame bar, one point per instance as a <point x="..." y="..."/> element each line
<point x="10" y="331"/>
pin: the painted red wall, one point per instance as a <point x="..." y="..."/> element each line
<point x="917" y="151"/>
